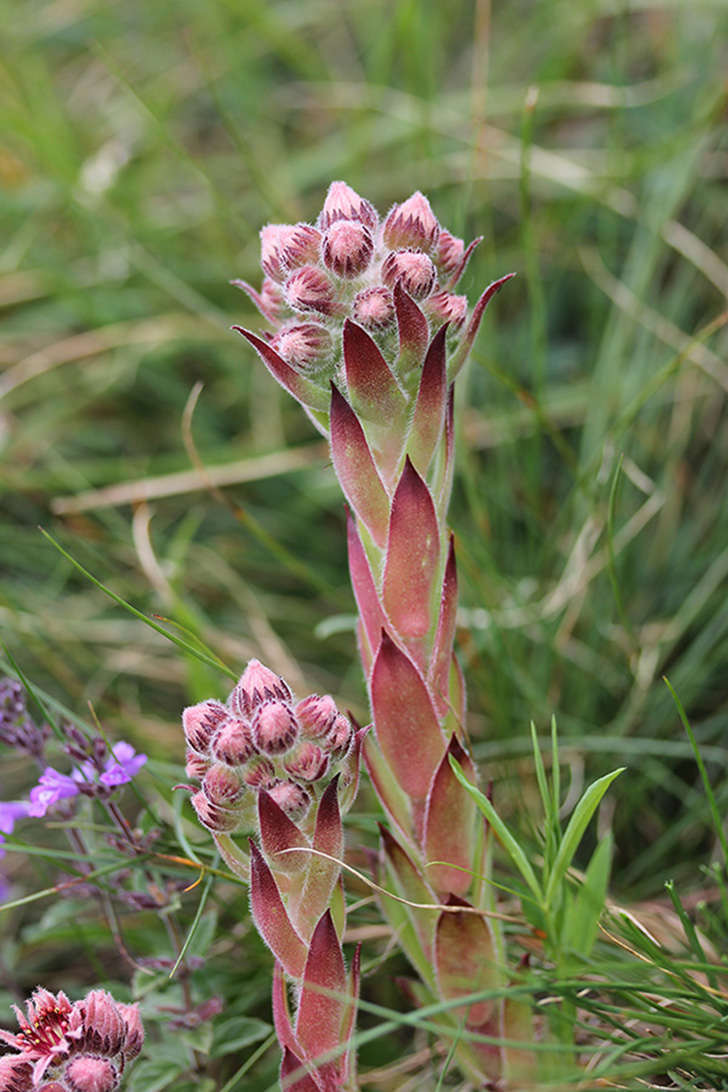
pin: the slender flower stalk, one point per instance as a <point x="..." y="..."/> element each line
<point x="384" y="294"/>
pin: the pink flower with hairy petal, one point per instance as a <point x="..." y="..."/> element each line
<point x="306" y="762"/>
<point x="233" y="742"/>
<point x="274" y="728"/>
<point x="216" y="818"/>
<point x="16" y="1074"/>
<point x="48" y="1031"/>
<point x="316" y="715"/>
<point x="303" y="345"/>
<point x="201" y="721"/>
<point x="290" y="798"/>
<point x="445" y="307"/>
<point x="134" y="1030"/>
<point x="309" y="289"/>
<point x="450" y="252"/>
<point x="104" y="1025"/>
<point x="222" y="785"/>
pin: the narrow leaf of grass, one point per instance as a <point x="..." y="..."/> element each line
<point x="85" y="878"/>
<point x="578" y="823"/>
<point x="690" y="932"/>
<point x="250" y="1062"/>
<point x="512" y="847"/>
<point x="33" y="694"/>
<point x="207" y="886"/>
<point x="212" y="661"/>
<point x="612" y="560"/>
<point x="717" y="823"/>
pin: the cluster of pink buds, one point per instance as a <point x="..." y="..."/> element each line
<point x="71" y="1047"/>
<point x="261" y="739"/>
<point x="284" y="771"/>
<point x="391" y="277"/>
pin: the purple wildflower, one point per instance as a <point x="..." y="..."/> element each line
<point x="9" y="812"/>
<point x="52" y="787"/>
<point x="124" y="764"/>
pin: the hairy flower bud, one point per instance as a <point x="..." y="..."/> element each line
<point x="412" y="223"/>
<point x="450" y="251"/>
<point x="272" y="299"/>
<point x="134" y="1030"/>
<point x="339" y="737"/>
<point x="272" y="250"/>
<point x="259" y="773"/>
<point x="303" y="345"/>
<point x="373" y="308"/>
<point x="347" y="248"/>
<point x="216" y="818"/>
<point x="200" y="722"/>
<point x="445" y="307"/>
<point x="413" y="268"/>
<point x="316" y="715"/>
<point x="306" y="762"/>
<point x="309" y="289"/>
<point x="344" y="203"/>
<point x="274" y="728"/>
<point x="233" y="742"/>
<point x="223" y="785"/>
<point x="51" y="1086"/>
<point x="301" y="245"/>
<point x="196" y="765"/>
<point x="104" y="1027"/>
<point x="290" y="798"/>
<point x="256" y="685"/>
<point x="86" y="1073"/>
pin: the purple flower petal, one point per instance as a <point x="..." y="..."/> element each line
<point x="9" y="812"/>
<point x="52" y="786"/>
<point x="123" y="766"/>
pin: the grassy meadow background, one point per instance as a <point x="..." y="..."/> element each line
<point x="142" y="146"/>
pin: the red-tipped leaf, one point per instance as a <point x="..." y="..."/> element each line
<point x="413" y="557"/>
<point x="405" y="719"/>
<point x="468" y="337"/>
<point x="390" y="793"/>
<point x="302" y="389"/>
<point x="429" y="416"/>
<point x="445" y="636"/>
<point x="324" y="1004"/>
<point x="451" y="831"/>
<point x="294" y="1077"/>
<point x="270" y="917"/>
<point x="355" y="469"/>
<point x="412" y="327"/>
<point x="277" y="834"/>
<point x="465" y="959"/>
<point x="309" y="902"/>
<point x="365" y="592"/>
<point x="462" y="264"/>
<point x="281" y="1012"/>
<point x="373" y="390"/>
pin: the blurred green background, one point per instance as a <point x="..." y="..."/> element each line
<point x="143" y="145"/>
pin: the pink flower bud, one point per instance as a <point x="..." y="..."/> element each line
<point x="223" y="785"/>
<point x="103" y="1024"/>
<point x="412" y="223"/>
<point x="233" y="742"/>
<point x="307" y="762"/>
<point x="316" y="715"/>
<point x="445" y="307"/>
<point x="217" y="819"/>
<point x="304" y="345"/>
<point x="200" y="721"/>
<point x="344" y="203"/>
<point x="51" y="1086"/>
<point x="259" y="773"/>
<point x="272" y="250"/>
<point x="134" y="1030"/>
<point x="347" y="248"/>
<point x="290" y="798"/>
<point x="272" y="299"/>
<point x="309" y="289"/>
<point x="256" y="685"/>
<point x="450" y="251"/>
<point x="301" y="244"/>
<point x="197" y="765"/>
<point x="374" y="308"/>
<point x="16" y="1075"/>
<point x="274" y="728"/>
<point x="413" y="268"/>
<point x="339" y="738"/>
<point x="86" y="1073"/>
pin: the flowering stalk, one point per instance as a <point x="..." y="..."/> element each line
<point x="369" y="336"/>
<point x="282" y="772"/>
